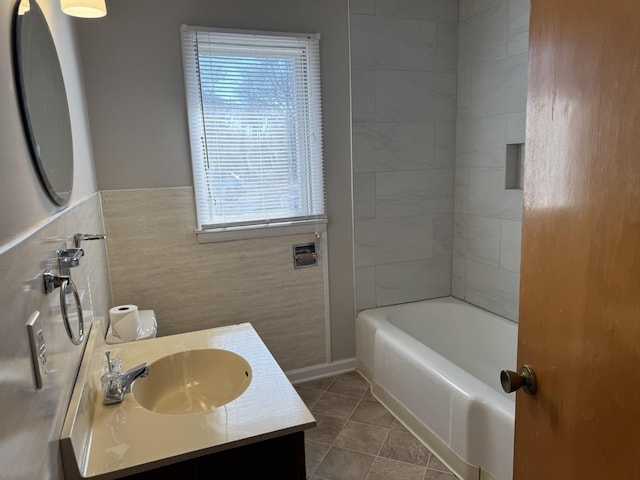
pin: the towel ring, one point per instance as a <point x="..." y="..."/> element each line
<point x="65" y="315"/>
<point x="53" y="281"/>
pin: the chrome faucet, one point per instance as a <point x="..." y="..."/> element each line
<point x="116" y="383"/>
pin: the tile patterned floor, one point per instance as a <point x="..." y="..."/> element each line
<point x="358" y="439"/>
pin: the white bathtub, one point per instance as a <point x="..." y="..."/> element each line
<point x="436" y="365"/>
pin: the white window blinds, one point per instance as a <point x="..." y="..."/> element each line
<point x="254" y="110"/>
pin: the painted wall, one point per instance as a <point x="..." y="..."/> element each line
<point x="492" y="93"/>
<point x="404" y="110"/>
<point x="135" y="91"/>
<point x="31" y="229"/>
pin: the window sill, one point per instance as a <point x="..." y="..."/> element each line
<point x="263" y="231"/>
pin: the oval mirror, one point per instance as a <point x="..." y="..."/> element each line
<point x="43" y="101"/>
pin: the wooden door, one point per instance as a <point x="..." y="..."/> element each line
<point x="580" y="276"/>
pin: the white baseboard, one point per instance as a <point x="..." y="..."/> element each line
<point x="322" y="370"/>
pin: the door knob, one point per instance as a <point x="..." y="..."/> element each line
<point x="525" y="378"/>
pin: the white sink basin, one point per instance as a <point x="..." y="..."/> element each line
<point x="194" y="381"/>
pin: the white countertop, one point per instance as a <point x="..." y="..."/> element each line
<point x="112" y="441"/>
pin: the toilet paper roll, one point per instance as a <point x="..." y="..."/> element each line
<point x="125" y="322"/>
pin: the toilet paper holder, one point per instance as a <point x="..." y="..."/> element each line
<point x="304" y="255"/>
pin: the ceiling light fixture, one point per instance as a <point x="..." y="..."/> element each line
<point x="84" y="8"/>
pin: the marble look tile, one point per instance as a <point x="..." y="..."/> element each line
<point x="483" y="37"/>
<point x="500" y="87"/>
<point x="326" y="429"/>
<point x="438" y="10"/>
<point x="314" y="454"/>
<point x="480" y="142"/>
<point x="336" y="405"/>
<point x="365" y="287"/>
<point x="516" y="127"/>
<point x="511" y="239"/>
<point x="411" y="193"/>
<point x="406" y="448"/>
<point x="365" y="7"/>
<point x="363" y="94"/>
<point x="460" y="192"/>
<point x="361" y="437"/>
<point x="415" y="96"/>
<point x="447" y="47"/>
<point x="352" y="385"/>
<point x="519" y="11"/>
<point x="443" y="235"/>
<point x="492" y="288"/>
<point x="464" y="94"/>
<point x="385" y="469"/>
<point x="488" y="197"/>
<point x="364" y="196"/>
<point x="390" y="240"/>
<point x="373" y="413"/>
<point x="341" y="464"/>
<point x="384" y="146"/>
<point x="466" y="9"/>
<point x="482" y="5"/>
<point x="393" y="44"/>
<point x="412" y="281"/>
<point x="211" y="282"/>
<point x="477" y="238"/>
<point x="445" y="144"/>
<point x="457" y="277"/>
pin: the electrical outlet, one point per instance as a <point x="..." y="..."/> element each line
<point x="38" y="348"/>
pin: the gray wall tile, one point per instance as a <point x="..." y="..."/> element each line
<point x="363" y="94"/>
<point x="410" y="193"/>
<point x="500" y="87"/>
<point x="511" y="239"/>
<point x="438" y="10"/>
<point x="394" y="44"/>
<point x="488" y="197"/>
<point x="492" y="89"/>
<point x="391" y="240"/>
<point x="364" y="196"/>
<point x="518" y="26"/>
<point x="483" y="37"/>
<point x="388" y="146"/>
<point x="412" y="281"/>
<point x="415" y="96"/>
<point x="480" y="142"/>
<point x="477" y="239"/>
<point x="492" y="288"/>
<point x="404" y="134"/>
<point x="362" y="6"/>
<point x="365" y="287"/>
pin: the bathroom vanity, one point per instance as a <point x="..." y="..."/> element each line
<point x="259" y="433"/>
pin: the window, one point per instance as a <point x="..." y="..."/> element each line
<point x="253" y="101"/>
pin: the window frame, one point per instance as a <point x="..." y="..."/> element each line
<point x="207" y="233"/>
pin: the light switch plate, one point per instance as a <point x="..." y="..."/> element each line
<point x="38" y="348"/>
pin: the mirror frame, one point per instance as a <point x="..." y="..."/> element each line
<point x="37" y="114"/>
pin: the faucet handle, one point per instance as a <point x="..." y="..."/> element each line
<point x="114" y="365"/>
<point x="79" y="237"/>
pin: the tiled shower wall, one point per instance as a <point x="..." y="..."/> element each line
<point x="492" y="91"/>
<point x="403" y="59"/>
